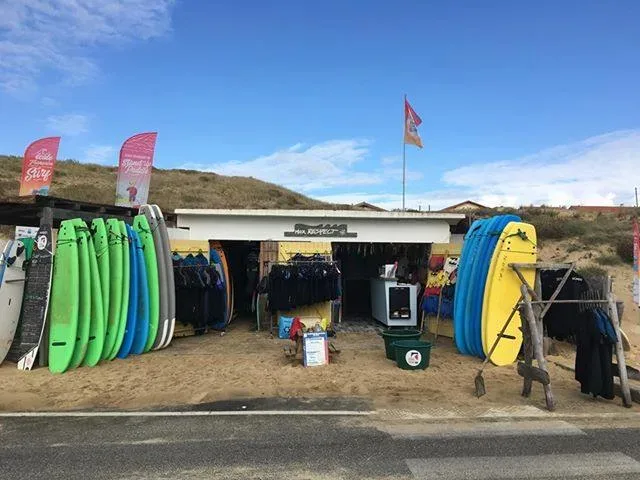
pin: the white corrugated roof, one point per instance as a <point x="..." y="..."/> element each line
<point x="449" y="217"/>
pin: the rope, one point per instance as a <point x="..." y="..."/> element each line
<point x="523" y="236"/>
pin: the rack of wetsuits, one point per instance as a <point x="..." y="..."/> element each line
<point x="304" y="280"/>
<point x="588" y="325"/>
<point x="200" y="293"/>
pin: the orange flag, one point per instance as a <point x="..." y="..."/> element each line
<point x="411" y="123"/>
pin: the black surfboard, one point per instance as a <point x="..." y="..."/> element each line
<point x="35" y="302"/>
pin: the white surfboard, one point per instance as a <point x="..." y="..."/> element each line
<point x="163" y="321"/>
<point x="11" y="292"/>
<point x="171" y="290"/>
<point x="3" y="258"/>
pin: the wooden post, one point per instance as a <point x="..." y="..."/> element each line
<point x="622" y="364"/>
<point x="536" y="337"/>
<point x="528" y="352"/>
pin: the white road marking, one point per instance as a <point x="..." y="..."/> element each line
<point x="481" y="429"/>
<point x="524" y="466"/>
<point x="205" y="413"/>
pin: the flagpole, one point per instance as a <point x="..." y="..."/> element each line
<point x="404" y="149"/>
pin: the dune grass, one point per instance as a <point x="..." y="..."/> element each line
<point x="169" y="188"/>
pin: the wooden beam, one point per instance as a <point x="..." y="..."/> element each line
<point x="543" y="302"/>
<point x="622" y="364"/>
<point x="525" y="283"/>
<point x="542" y="265"/>
<point x="533" y="373"/>
<point x="528" y="353"/>
<point x="60" y="214"/>
<point x="536" y="338"/>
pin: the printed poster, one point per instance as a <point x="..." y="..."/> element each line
<point x="37" y="166"/>
<point x="134" y="170"/>
<point x="315" y="349"/>
<point x="26" y="232"/>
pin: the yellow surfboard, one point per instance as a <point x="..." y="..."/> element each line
<point x="517" y="244"/>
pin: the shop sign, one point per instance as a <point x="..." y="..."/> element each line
<point x="26" y="232"/>
<point x="322" y="230"/>
<point x="315" y="349"/>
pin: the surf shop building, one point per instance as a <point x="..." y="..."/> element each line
<point x="374" y="264"/>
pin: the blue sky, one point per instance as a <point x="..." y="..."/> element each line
<point x="521" y="102"/>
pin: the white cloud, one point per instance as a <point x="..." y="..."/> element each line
<point x="391" y="160"/>
<point x="49" y="102"/>
<point x="317" y="167"/>
<point x="70" y="124"/>
<point x="38" y="35"/>
<point x="601" y="170"/>
<point x="391" y="201"/>
<point x="100" y="154"/>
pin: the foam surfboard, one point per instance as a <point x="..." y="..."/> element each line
<point x="35" y="304"/>
<point x="141" y="225"/>
<point x="142" y="308"/>
<point x="115" y="285"/>
<point x="474" y="270"/>
<point x="95" y="343"/>
<point x="132" y="307"/>
<point x="163" y="322"/>
<point x="124" y="306"/>
<point x="465" y="265"/>
<point x="84" y="306"/>
<point x="64" y="303"/>
<point x="517" y="244"/>
<point x="11" y="293"/>
<point x="101" y="247"/>
<point x="480" y="270"/>
<point x="171" y="288"/>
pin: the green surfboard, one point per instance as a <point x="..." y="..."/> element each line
<point x="84" y="310"/>
<point x="141" y="225"/>
<point x="124" y="302"/>
<point x="115" y="288"/>
<point x="64" y="301"/>
<point x="96" y="324"/>
<point x="101" y="247"/>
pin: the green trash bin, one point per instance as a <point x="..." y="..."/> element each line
<point x="391" y="336"/>
<point x="412" y="354"/>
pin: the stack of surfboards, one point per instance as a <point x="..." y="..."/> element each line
<point x="487" y="288"/>
<point x="112" y="290"/>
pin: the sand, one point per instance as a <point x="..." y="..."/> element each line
<point x="247" y="364"/>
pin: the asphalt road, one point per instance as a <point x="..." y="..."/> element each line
<point x="310" y="447"/>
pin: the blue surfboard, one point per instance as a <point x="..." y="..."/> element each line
<point x="471" y="273"/>
<point x="462" y="289"/>
<point x="130" y="329"/>
<point x="142" y="316"/>
<point x="478" y="280"/>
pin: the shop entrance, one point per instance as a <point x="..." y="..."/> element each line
<point x="361" y="262"/>
<point x="243" y="261"/>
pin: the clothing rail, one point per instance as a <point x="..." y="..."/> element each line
<point x="296" y="262"/>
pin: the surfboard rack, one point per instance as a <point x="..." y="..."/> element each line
<point x="532" y="311"/>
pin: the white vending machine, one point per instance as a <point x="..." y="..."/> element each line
<point x="394" y="304"/>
